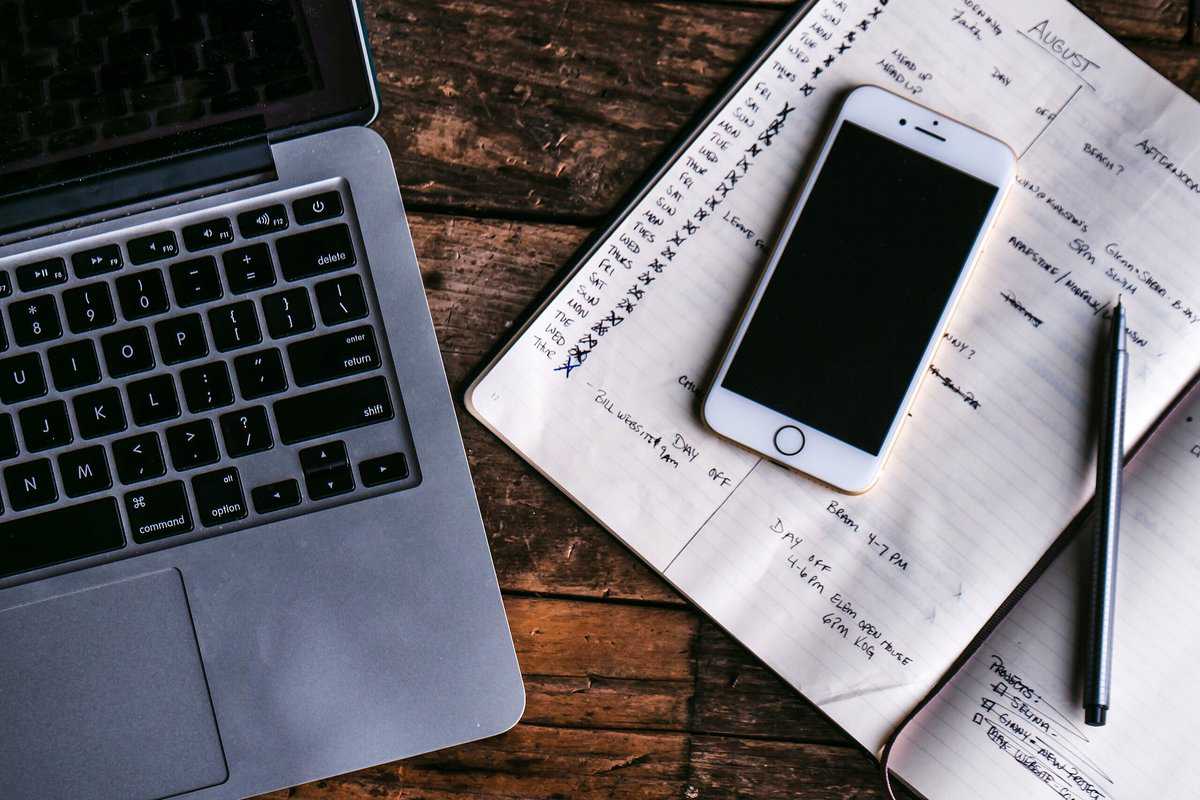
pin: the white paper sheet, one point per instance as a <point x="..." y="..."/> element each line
<point x="1011" y="723"/>
<point x="862" y="602"/>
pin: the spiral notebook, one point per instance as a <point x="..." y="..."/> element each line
<point x="867" y="604"/>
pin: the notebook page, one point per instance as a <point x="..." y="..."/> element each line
<point x="600" y="390"/>
<point x="1011" y="723"/>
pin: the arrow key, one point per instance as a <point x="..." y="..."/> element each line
<point x="329" y="482"/>
<point x="271" y="497"/>
<point x="327" y="470"/>
<point x="385" y="469"/>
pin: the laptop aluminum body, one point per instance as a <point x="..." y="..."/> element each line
<point x="236" y="652"/>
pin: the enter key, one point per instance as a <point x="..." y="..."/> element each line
<point x="334" y="355"/>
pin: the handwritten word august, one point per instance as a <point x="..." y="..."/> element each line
<point x="1058" y="45"/>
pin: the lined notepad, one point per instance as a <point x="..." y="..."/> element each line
<point x="862" y="603"/>
<point x="1009" y="724"/>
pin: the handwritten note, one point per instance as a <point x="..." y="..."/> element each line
<point x="862" y="602"/>
<point x="1011" y="723"/>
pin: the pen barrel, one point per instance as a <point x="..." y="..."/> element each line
<point x="1108" y="521"/>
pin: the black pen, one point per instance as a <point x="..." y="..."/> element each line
<point x="1108" y="512"/>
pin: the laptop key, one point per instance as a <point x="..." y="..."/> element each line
<point x="246" y="431"/>
<point x="73" y="365"/>
<point x="329" y="455"/>
<point x="156" y="512"/>
<point x="249" y="268"/>
<point x="127" y="352"/>
<point x="333" y="355"/>
<point x="35" y="320"/>
<point x="196" y="281"/>
<point x="8" y="438"/>
<point x="32" y="277"/>
<point x="84" y="471"/>
<point x="6" y="288"/>
<point x="234" y="326"/>
<point x="45" y="426"/>
<point x="260" y="374"/>
<point x="318" y="207"/>
<point x="206" y="387"/>
<point x="97" y="261"/>
<point x="21" y="378"/>
<point x="326" y="470"/>
<point x="181" y="339"/>
<point x="219" y="497"/>
<point x="288" y="313"/>
<point x="315" y="252"/>
<point x="30" y="485"/>
<point x="138" y="458"/>
<point x="272" y="497"/>
<point x="79" y="531"/>
<point x="99" y="413"/>
<point x="153" y="400"/>
<point x="262" y="221"/>
<point x="143" y="294"/>
<point x="203" y="235"/>
<point x="385" y="469"/>
<point x="154" y="247"/>
<point x="341" y="300"/>
<point x="88" y="308"/>
<point x="192" y="444"/>
<point x="333" y="410"/>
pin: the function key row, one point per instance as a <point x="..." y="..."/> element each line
<point x="216" y="232"/>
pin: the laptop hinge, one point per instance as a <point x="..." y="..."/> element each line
<point x="136" y="184"/>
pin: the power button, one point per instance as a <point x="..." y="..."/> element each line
<point x="789" y="440"/>
<point x="317" y="207"/>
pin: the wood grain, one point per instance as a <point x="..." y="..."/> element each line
<point x="1162" y="20"/>
<point x="552" y="110"/>
<point x="540" y="108"/>
<point x="516" y="126"/>
<point x="481" y="276"/>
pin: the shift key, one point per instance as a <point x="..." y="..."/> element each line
<point x="333" y="410"/>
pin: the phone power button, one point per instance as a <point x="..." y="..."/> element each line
<point x="789" y="440"/>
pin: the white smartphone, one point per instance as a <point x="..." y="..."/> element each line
<point x="859" y="289"/>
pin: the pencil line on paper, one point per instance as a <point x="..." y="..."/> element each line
<point x="710" y="516"/>
<point x="1051" y="120"/>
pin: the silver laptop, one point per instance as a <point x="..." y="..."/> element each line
<point x="239" y="544"/>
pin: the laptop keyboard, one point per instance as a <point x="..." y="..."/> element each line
<point x="192" y="379"/>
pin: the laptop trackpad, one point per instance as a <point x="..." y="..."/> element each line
<point x="104" y="695"/>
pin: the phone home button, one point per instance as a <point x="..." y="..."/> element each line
<point x="789" y="440"/>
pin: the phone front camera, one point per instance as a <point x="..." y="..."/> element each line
<point x="935" y="122"/>
<point x="903" y="122"/>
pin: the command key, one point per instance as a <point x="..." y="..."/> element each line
<point x="157" y="512"/>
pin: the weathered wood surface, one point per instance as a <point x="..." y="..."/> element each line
<point x="516" y="127"/>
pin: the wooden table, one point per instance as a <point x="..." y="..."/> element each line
<point x="516" y="127"/>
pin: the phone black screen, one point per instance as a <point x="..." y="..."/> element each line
<point x="859" y="288"/>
